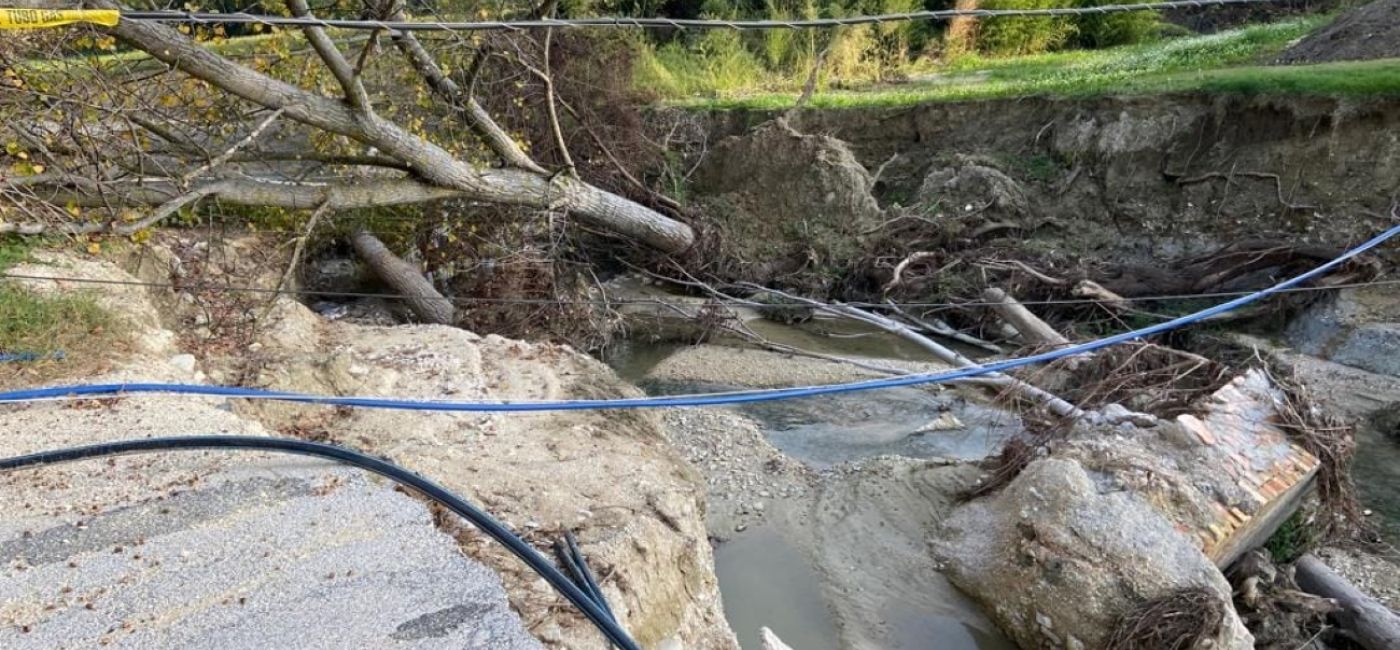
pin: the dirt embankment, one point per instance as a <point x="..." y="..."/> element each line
<point x="1371" y="31"/>
<point x="1076" y="185"/>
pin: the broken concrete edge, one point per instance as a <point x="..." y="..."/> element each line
<point x="1186" y="499"/>
<point x="636" y="507"/>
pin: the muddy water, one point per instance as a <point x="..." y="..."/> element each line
<point x="901" y="421"/>
<point x="768" y="581"/>
<point x="910" y="421"/>
<point x="1376" y="471"/>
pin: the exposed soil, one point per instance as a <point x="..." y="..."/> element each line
<point x="1371" y="31"/>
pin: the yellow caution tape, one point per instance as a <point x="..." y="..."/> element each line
<point x="39" y="18"/>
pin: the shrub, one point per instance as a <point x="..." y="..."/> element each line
<point x="1108" y="30"/>
<point x="1006" y="36"/>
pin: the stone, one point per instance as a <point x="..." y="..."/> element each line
<point x="1358" y="327"/>
<point x="1051" y="549"/>
<point x="824" y="209"/>
<point x="977" y="187"/>
<point x="185" y="362"/>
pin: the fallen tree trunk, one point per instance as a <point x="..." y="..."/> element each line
<point x="425" y="301"/>
<point x="1368" y="622"/>
<point x="1032" y="329"/>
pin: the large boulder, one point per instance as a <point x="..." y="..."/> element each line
<point x="1056" y="558"/>
<point x="610" y="477"/>
<point x="1114" y="517"/>
<point x="785" y="199"/>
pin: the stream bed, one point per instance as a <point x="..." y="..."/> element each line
<point x="770" y="580"/>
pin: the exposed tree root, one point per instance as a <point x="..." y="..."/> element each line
<point x="1177" y="621"/>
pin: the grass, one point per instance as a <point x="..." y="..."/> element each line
<point x="1292" y="539"/>
<point x="73" y="324"/>
<point x="1224" y="62"/>
<point x="31" y="322"/>
<point x="14" y="250"/>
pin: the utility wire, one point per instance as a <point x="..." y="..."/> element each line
<point x="702" y="399"/>
<point x="581" y="597"/>
<point x="197" y="17"/>
<point x="469" y="300"/>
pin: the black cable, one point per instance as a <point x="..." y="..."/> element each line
<point x="600" y="616"/>
<point x="588" y="577"/>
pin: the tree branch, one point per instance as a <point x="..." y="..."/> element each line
<point x="325" y="48"/>
<point x="229" y="153"/>
<point x="431" y="162"/>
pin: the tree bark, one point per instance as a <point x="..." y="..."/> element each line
<point x="1370" y="623"/>
<point x="1032" y="329"/>
<point x="425" y="301"/>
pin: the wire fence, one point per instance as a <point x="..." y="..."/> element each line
<point x="471" y="300"/>
<point x="202" y="17"/>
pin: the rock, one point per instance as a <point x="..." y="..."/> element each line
<point x="824" y="208"/>
<point x="944" y="422"/>
<point x="334" y="275"/>
<point x="771" y="640"/>
<point x="972" y="185"/>
<point x="1051" y="556"/>
<point x="646" y="538"/>
<point x="1358" y="327"/>
<point x="648" y="531"/>
<point x="185" y="362"/>
<point x="1227" y="476"/>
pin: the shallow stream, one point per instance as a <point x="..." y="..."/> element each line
<point x="765" y="580"/>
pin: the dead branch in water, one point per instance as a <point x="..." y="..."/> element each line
<point x="940" y="328"/>
<point x="1031" y="393"/>
<point x="1032" y="329"/>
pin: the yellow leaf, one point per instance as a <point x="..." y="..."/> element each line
<point x="94" y="248"/>
<point x="74" y="210"/>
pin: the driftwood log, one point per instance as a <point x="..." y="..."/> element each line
<point x="1032" y="329"/>
<point x="425" y="301"/>
<point x="1369" y="623"/>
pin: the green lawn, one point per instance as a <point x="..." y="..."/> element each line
<point x="1225" y="62"/>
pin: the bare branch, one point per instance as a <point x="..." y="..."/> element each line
<point x="553" y="110"/>
<point x="325" y="48"/>
<point x="231" y="151"/>
<point x="461" y="99"/>
<point x="431" y="162"/>
<point x="297" y="252"/>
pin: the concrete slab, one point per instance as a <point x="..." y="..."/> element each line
<point x="283" y="553"/>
